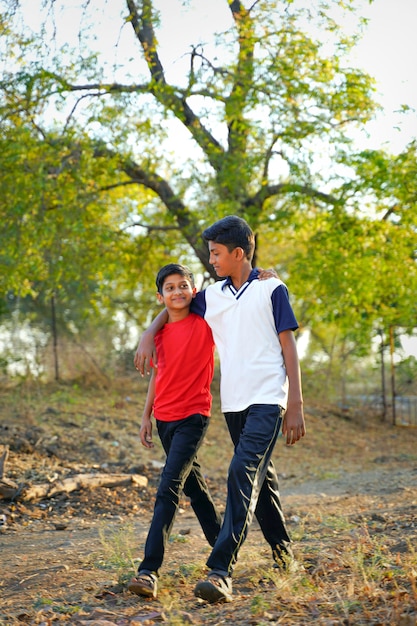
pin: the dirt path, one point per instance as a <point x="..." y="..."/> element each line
<point x="67" y="559"/>
<point x="44" y="570"/>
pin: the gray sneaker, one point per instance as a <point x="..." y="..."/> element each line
<point x="216" y="588"/>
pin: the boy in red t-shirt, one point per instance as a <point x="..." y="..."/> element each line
<point x="179" y="398"/>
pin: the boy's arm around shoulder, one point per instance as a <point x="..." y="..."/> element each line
<point x="146" y="351"/>
<point x="293" y="426"/>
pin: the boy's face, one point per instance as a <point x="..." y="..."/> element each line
<point x="177" y="292"/>
<point x="223" y="261"/>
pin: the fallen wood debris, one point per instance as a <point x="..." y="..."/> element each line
<point x="9" y="490"/>
<point x="81" y="481"/>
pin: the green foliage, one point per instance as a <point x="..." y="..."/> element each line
<point x="360" y="277"/>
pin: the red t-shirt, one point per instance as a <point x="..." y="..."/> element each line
<point x="185" y="369"/>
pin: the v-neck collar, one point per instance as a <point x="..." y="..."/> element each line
<point x="239" y="292"/>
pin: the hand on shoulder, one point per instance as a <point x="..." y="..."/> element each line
<point x="265" y="274"/>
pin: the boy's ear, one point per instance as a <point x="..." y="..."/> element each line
<point x="239" y="253"/>
<point x="194" y="291"/>
<point x="159" y="298"/>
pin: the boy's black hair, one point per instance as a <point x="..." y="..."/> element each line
<point x="173" y="268"/>
<point x="233" y="232"/>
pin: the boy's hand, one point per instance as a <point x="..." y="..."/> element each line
<point x="293" y="425"/>
<point x="269" y="273"/>
<point x="145" y="354"/>
<point x="146" y="432"/>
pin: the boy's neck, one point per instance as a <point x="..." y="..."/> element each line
<point x="241" y="275"/>
<point x="177" y="316"/>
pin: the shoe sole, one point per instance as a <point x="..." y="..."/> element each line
<point x="211" y="593"/>
<point x="141" y="590"/>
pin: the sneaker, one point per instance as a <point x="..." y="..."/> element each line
<point x="144" y="585"/>
<point x="216" y="588"/>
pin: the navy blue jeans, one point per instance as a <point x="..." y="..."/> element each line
<point x="252" y="486"/>
<point x="181" y="440"/>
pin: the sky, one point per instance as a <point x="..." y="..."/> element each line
<point x="388" y="51"/>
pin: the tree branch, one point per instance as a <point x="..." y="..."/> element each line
<point x="143" y="27"/>
<point x="165" y="93"/>
<point x="187" y="223"/>
<point x="173" y="203"/>
<point x="389" y="212"/>
<point x="107" y="88"/>
<point x="149" y="228"/>
<point x="268" y="156"/>
<point x="269" y="191"/>
<point x="238" y="97"/>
